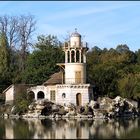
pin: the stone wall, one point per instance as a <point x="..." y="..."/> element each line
<point x="9" y="95"/>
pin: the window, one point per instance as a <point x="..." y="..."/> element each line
<point x="63" y="95"/>
<point x="77" y="77"/>
<point x="72" y="56"/>
<point x="40" y="95"/>
<point x="52" y="95"/>
<point x="77" y="56"/>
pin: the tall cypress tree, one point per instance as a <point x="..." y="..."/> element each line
<point x="4" y="62"/>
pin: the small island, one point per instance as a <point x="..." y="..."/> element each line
<point x="68" y="93"/>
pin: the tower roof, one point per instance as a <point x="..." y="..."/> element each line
<point x="75" y="34"/>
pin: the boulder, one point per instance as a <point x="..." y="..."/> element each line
<point x="100" y="113"/>
<point x="118" y="99"/>
<point x="31" y="107"/>
<point x="39" y="107"/>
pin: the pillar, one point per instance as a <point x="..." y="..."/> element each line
<point x="80" y="56"/>
<point x="35" y="95"/>
<point x="66" y="56"/>
<point x="70" y="55"/>
<point x="75" y="56"/>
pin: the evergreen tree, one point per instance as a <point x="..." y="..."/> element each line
<point x="42" y="62"/>
<point x="4" y="62"/>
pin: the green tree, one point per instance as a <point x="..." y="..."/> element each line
<point x="42" y="62"/>
<point x="105" y="79"/>
<point x="122" y="48"/>
<point x="21" y="103"/>
<point x="4" y="62"/>
<point x="4" y="53"/>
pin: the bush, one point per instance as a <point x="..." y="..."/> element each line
<point x="21" y="104"/>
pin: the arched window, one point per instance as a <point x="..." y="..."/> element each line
<point x="40" y="95"/>
<point x="68" y="57"/>
<point x="77" y="56"/>
<point x="72" y="56"/>
<point x="31" y="96"/>
<point x="82" y="57"/>
<point x="63" y="95"/>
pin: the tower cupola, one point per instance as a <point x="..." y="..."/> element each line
<point x="75" y="39"/>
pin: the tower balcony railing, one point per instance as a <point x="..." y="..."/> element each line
<point x="82" y="45"/>
<point x="74" y="81"/>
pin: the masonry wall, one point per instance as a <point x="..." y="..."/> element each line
<point x="71" y="92"/>
<point x="9" y="95"/>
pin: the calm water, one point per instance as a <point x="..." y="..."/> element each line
<point x="69" y="129"/>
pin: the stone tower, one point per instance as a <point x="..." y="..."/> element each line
<point x="75" y="60"/>
<point x="69" y="86"/>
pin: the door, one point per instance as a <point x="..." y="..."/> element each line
<point x="78" y="99"/>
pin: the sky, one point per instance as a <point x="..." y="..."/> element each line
<point x="105" y="24"/>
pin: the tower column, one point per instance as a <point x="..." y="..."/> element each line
<point x="70" y="55"/>
<point x="84" y="57"/>
<point x="74" y="55"/>
<point x="66" y="56"/>
<point x="35" y="95"/>
<point x="80" y="56"/>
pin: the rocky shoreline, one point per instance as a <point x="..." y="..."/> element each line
<point x="103" y="108"/>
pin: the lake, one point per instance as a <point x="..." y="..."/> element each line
<point x="32" y="128"/>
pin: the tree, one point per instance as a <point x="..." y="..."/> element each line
<point x="21" y="103"/>
<point x="18" y="30"/>
<point x="4" y="53"/>
<point x="42" y="62"/>
<point x="105" y="79"/>
<point x="122" y="48"/>
<point x="26" y="27"/>
<point x="127" y="85"/>
<point x="9" y="26"/>
<point x="4" y="61"/>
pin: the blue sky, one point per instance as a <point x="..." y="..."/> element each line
<point x="102" y="23"/>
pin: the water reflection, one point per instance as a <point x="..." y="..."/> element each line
<point x="69" y="128"/>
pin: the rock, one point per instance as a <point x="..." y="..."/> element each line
<point x="58" y="116"/>
<point x="46" y="111"/>
<point x="118" y="99"/>
<point x="96" y="106"/>
<point x="30" y="111"/>
<point x="102" y="108"/>
<point x="31" y="107"/>
<point x="39" y="107"/>
<point x="62" y="112"/>
<point x="132" y="103"/>
<point x="66" y="108"/>
<point x="6" y="115"/>
<point x="100" y="113"/>
<point x="55" y="107"/>
<point x="13" y="110"/>
<point x="92" y="103"/>
<point x="80" y="109"/>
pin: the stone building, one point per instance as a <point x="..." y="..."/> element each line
<point x="69" y="85"/>
<point x="13" y="91"/>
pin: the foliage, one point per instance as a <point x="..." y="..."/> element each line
<point x="42" y="62"/>
<point x="114" y="72"/>
<point x="21" y="103"/>
<point x="4" y="61"/>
